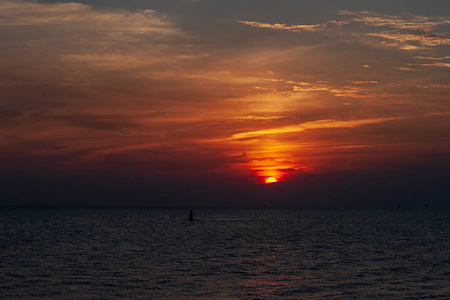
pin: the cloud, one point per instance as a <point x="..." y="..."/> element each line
<point x="319" y="124"/>
<point x="405" y="21"/>
<point x="403" y="31"/>
<point x="259" y="118"/>
<point x="293" y="28"/>
<point x="106" y="122"/>
<point x="365" y="82"/>
<point x="403" y="40"/>
<point x="428" y="58"/>
<point x="407" y="31"/>
<point x="436" y="64"/>
<point x="114" y="24"/>
<point x="114" y="61"/>
<point x="74" y="56"/>
<point x="339" y="91"/>
<point x="434" y="86"/>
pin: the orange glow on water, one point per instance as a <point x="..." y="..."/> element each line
<point x="271" y="180"/>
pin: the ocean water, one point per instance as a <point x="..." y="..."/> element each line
<point x="55" y="253"/>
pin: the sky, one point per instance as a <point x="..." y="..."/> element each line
<point x="199" y="102"/>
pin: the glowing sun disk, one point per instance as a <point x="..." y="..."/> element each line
<point x="271" y="180"/>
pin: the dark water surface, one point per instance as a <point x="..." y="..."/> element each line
<point x="225" y="254"/>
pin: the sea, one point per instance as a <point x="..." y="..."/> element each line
<point x="225" y="253"/>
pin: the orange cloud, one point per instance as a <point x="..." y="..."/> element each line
<point x="414" y="28"/>
<point x="319" y="124"/>
<point x="403" y="40"/>
<point x="406" y="21"/>
<point x="365" y="82"/>
<point x="293" y="28"/>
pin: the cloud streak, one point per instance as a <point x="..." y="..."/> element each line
<point x="319" y="124"/>
<point x="293" y="28"/>
<point x="405" y="21"/>
<point x="403" y="31"/>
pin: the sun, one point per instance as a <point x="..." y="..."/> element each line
<point x="271" y="180"/>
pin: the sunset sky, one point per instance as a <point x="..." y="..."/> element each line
<point x="198" y="102"/>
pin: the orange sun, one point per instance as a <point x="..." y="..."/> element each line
<point x="271" y="180"/>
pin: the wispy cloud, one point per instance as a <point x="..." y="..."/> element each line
<point x="428" y="58"/>
<point x="405" y="21"/>
<point x="365" y="82"/>
<point x="259" y="118"/>
<point x="65" y="15"/>
<point x="405" y="40"/>
<point x="402" y="31"/>
<point x="293" y="28"/>
<point x="406" y="31"/>
<point x="71" y="45"/>
<point x="434" y="86"/>
<point x="319" y="124"/>
<point x="436" y="64"/>
<point x="341" y="91"/>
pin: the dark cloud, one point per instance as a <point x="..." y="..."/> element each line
<point x="100" y="122"/>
